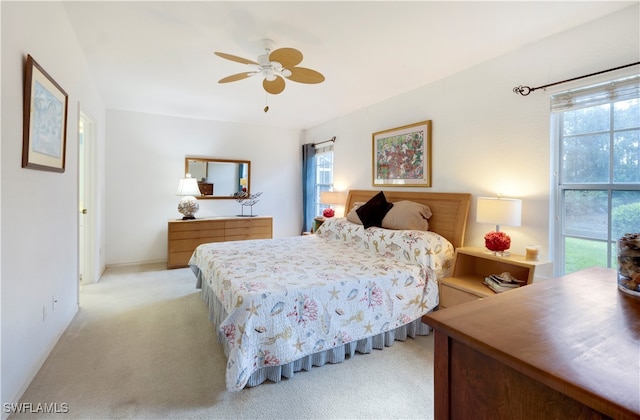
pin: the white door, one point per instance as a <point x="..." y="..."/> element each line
<point x="86" y="199"/>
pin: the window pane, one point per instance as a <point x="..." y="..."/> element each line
<point x="585" y="159"/>
<point x="626" y="114"/>
<point x="626" y="156"/>
<point x="625" y="215"/>
<point x="583" y="253"/>
<point x="586" y="120"/>
<point x="586" y="214"/>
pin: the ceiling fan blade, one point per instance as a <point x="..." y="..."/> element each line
<point x="274" y="87"/>
<point x="305" y="75"/>
<point x="236" y="77"/>
<point x="288" y="57"/>
<point x="235" y="58"/>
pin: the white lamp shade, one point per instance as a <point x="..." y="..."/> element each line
<point x="332" y="197"/>
<point x="499" y="211"/>
<point x="188" y="186"/>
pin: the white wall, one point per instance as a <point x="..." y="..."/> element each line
<point x="145" y="160"/>
<point x="486" y="139"/>
<point x="39" y="209"/>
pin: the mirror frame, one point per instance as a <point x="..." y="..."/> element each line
<point x="208" y="160"/>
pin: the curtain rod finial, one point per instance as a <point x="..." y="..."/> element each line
<point x="522" y="90"/>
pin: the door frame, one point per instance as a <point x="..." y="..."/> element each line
<point x="86" y="198"/>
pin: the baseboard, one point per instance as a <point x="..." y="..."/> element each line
<point x="36" y="368"/>
<point x="135" y="264"/>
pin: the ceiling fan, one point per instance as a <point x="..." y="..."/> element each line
<point x="274" y="67"/>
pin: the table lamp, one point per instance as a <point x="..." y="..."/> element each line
<point x="188" y="189"/>
<point x="499" y="211"/>
<point x="332" y="198"/>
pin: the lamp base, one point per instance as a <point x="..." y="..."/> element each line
<point x="188" y="206"/>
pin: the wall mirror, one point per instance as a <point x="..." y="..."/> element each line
<point x="219" y="178"/>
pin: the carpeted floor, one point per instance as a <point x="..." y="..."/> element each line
<point x="142" y="346"/>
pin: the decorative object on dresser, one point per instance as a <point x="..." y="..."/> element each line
<point x="471" y="268"/>
<point x="303" y="301"/>
<point x="44" y="132"/>
<point x="247" y="200"/>
<point x="499" y="211"/>
<point x="188" y="189"/>
<point x="628" y="250"/>
<point x="402" y="156"/>
<point x="185" y="235"/>
<point x="565" y="348"/>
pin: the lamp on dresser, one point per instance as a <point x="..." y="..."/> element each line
<point x="188" y="189"/>
<point x="499" y="211"/>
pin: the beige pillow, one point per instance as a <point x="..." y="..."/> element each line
<point x="352" y="216"/>
<point x="407" y="215"/>
<point x="404" y="215"/>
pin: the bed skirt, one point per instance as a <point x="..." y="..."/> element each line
<point x="217" y="314"/>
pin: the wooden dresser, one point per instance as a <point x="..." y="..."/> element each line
<point x="564" y="348"/>
<point x="185" y="235"/>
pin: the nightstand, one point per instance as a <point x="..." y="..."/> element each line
<point x="470" y="268"/>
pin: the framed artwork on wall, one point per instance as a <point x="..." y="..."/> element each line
<point x="44" y="137"/>
<point x="402" y="156"/>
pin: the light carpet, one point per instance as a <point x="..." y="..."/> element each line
<point x="142" y="346"/>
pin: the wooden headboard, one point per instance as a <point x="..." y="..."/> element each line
<point x="450" y="210"/>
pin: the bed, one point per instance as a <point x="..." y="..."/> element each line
<point x="284" y="305"/>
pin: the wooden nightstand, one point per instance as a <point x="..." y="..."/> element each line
<point x="470" y="268"/>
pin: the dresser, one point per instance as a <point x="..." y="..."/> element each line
<point x="185" y="235"/>
<point x="564" y="348"/>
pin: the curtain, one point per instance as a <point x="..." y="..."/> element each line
<point x="308" y="185"/>
<point x="617" y="90"/>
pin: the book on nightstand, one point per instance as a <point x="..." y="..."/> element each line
<point x="502" y="282"/>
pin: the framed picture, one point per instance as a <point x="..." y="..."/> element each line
<point x="402" y="156"/>
<point x="44" y="138"/>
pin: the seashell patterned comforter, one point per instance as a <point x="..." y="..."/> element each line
<point x="286" y="298"/>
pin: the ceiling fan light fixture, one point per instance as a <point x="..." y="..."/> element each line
<point x="274" y="66"/>
<point x="269" y="75"/>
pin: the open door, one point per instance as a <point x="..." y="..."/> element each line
<point x="86" y="200"/>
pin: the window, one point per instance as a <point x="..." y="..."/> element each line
<point x="324" y="176"/>
<point x="596" y="135"/>
<point x="317" y="176"/>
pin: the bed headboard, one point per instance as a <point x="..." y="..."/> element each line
<point x="450" y="210"/>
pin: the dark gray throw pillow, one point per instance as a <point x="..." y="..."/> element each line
<point x="373" y="211"/>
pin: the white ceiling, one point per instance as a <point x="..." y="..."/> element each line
<point x="158" y="57"/>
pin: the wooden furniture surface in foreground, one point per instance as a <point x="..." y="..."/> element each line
<point x="562" y="348"/>
<point x="449" y="210"/>
<point x="184" y="236"/>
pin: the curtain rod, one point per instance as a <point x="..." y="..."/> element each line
<point x="525" y="90"/>
<point x="332" y="140"/>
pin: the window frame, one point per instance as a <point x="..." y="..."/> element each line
<point x="560" y="186"/>
<point x="319" y="187"/>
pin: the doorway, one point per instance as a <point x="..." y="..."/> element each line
<point x="86" y="199"/>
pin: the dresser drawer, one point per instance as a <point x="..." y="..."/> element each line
<point x="450" y="296"/>
<point x="195" y="225"/>
<point x="248" y="222"/>
<point x="184" y="236"/>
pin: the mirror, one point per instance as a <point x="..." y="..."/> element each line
<point x="219" y="178"/>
